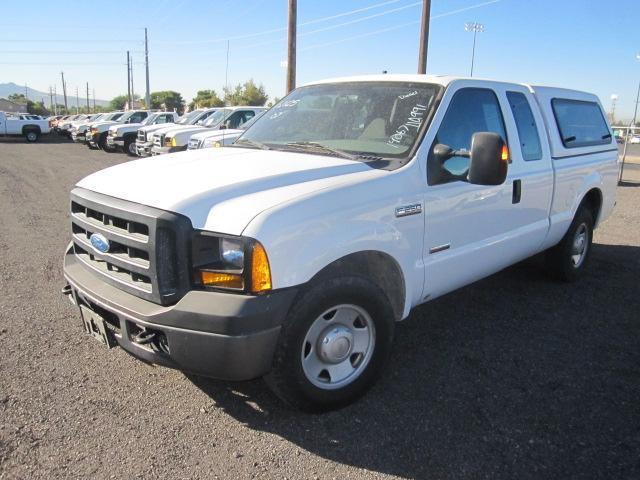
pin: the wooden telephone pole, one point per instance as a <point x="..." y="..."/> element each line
<point x="424" y="36"/>
<point x="291" y="50"/>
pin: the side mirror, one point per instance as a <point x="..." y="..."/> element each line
<point x="489" y="159"/>
<point x="222" y="127"/>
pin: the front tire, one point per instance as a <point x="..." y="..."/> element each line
<point x="130" y="147"/>
<point x="333" y="344"/>
<point x="569" y="259"/>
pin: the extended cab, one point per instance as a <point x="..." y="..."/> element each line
<point x="292" y="253"/>
<point x="123" y="137"/>
<point x="30" y="129"/>
<point x="177" y="139"/>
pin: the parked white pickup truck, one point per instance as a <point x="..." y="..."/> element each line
<point x="29" y="129"/>
<point x="97" y="134"/>
<point x="177" y="138"/>
<point x="123" y="137"/>
<point x="158" y="137"/>
<point x="292" y="253"/>
<point x="80" y="129"/>
<point x="211" y="138"/>
<point x="144" y="141"/>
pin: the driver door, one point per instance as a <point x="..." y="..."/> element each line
<point x="467" y="226"/>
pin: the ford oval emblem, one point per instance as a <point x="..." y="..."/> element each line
<point x="99" y="242"/>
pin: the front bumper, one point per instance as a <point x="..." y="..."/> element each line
<point x="162" y="150"/>
<point x="78" y="136"/>
<point x="91" y="139"/>
<point x="143" y="149"/>
<point x="115" y="142"/>
<point x="214" y="334"/>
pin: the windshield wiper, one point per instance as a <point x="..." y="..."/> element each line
<point x="321" y="147"/>
<point x="253" y="143"/>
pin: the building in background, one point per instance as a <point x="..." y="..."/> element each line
<point x="9" y="106"/>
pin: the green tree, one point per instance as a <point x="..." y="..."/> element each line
<point x="32" y="107"/>
<point x="167" y="100"/>
<point x="118" y="102"/>
<point x="246" y="94"/>
<point x="206" y="99"/>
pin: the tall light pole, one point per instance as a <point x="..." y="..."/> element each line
<point x="614" y="99"/>
<point x="147" y="95"/>
<point x="424" y="36"/>
<point x="291" y="45"/>
<point x="631" y="126"/>
<point x="475" y="28"/>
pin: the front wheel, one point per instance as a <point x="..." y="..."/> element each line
<point x="569" y="258"/>
<point x="130" y="147"/>
<point x="333" y="344"/>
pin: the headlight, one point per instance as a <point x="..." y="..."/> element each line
<point x="233" y="263"/>
<point x="210" y="143"/>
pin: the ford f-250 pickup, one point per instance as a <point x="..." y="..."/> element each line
<point x="292" y="253"/>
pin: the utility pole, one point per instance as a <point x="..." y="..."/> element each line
<point x="26" y="93"/>
<point x="50" y="99"/>
<point x="147" y="96"/>
<point x="475" y="28"/>
<point x="128" y="79"/>
<point x="94" y="100"/>
<point x="64" y="90"/>
<point x="88" y="108"/>
<point x="133" y="94"/>
<point x="55" y="100"/>
<point x="77" y="101"/>
<point x="291" y="50"/>
<point x="424" y="36"/>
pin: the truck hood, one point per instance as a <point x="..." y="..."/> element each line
<point x="216" y="133"/>
<point x="125" y="127"/>
<point x="103" y="124"/>
<point x="178" y="129"/>
<point x="223" y="189"/>
<point x="153" y="128"/>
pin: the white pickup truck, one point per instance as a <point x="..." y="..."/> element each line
<point x="144" y="141"/>
<point x="292" y="253"/>
<point x="177" y="139"/>
<point x="123" y="137"/>
<point x="97" y="134"/>
<point x="211" y="138"/>
<point x="30" y="129"/>
<point x="79" y="131"/>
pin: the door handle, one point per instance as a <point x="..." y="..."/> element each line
<point x="517" y="191"/>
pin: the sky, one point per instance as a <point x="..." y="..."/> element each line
<point x="583" y="44"/>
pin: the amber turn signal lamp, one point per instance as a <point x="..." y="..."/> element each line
<point x="260" y="270"/>
<point x="223" y="280"/>
<point x="504" y="155"/>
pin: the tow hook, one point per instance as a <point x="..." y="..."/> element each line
<point x="144" y="337"/>
<point x="66" y="290"/>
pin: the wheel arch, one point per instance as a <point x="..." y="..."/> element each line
<point x="592" y="200"/>
<point x="377" y="266"/>
<point x="31" y="128"/>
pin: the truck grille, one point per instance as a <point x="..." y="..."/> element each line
<point x="148" y="248"/>
<point x="158" y="140"/>
<point x="142" y="136"/>
<point x="194" y="143"/>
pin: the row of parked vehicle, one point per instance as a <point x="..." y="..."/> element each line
<point x="146" y="132"/>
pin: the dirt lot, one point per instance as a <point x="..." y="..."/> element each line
<point x="515" y="377"/>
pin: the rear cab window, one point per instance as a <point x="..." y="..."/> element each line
<point x="529" y="139"/>
<point x="580" y="123"/>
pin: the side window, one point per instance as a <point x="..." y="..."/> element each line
<point x="161" y="119"/>
<point x="526" y="125"/>
<point x="471" y="110"/>
<point x="580" y="123"/>
<point x="236" y="119"/>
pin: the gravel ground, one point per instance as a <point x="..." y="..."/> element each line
<point x="513" y="377"/>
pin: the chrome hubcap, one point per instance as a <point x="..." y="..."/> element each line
<point x="580" y="245"/>
<point x="338" y="346"/>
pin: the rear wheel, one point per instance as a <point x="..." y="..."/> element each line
<point x="333" y="344"/>
<point x="569" y="258"/>
<point x="31" y="136"/>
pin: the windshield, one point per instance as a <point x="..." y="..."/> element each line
<point x="125" y="116"/>
<point x="216" y="118"/>
<point x="149" y="120"/>
<point x="116" y="116"/>
<point x="189" y="118"/>
<point x="379" y="119"/>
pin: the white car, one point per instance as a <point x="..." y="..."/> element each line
<point x="123" y="137"/>
<point x="211" y="138"/>
<point x="293" y="253"/>
<point x="177" y="139"/>
<point x="634" y="139"/>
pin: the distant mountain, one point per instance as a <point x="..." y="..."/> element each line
<point x="10" y="88"/>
